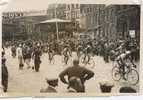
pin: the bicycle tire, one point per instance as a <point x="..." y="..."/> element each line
<point x="82" y="60"/>
<point x="117" y="71"/>
<point x="91" y="63"/>
<point x="133" y="82"/>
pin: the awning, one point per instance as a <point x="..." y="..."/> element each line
<point x="55" y="20"/>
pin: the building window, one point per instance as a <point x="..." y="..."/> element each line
<point x="77" y="6"/>
<point x="68" y="7"/>
<point x="72" y="5"/>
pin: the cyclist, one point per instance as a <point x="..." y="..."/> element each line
<point x="121" y="60"/>
<point x="13" y="50"/>
<point x="87" y="52"/>
<point x="50" y="53"/>
<point x="79" y="50"/>
<point x="66" y="53"/>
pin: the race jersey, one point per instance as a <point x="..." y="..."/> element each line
<point x="123" y="55"/>
<point x="65" y="52"/>
<point x="79" y="48"/>
<point x="13" y="49"/>
<point x="19" y="51"/>
<point x="87" y="50"/>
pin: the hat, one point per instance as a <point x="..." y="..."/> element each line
<point x="49" y="80"/>
<point x="127" y="90"/>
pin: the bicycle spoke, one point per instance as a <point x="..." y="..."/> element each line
<point x="116" y="75"/>
<point x="133" y="77"/>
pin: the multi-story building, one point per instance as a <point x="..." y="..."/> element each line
<point x="73" y="14"/>
<point x="21" y="24"/>
<point x="73" y="11"/>
<point x="56" y="11"/>
<point x="110" y="22"/>
<point x="128" y="19"/>
<point x="92" y="19"/>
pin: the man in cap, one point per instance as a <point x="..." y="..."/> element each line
<point x="52" y="83"/>
<point x="76" y="71"/>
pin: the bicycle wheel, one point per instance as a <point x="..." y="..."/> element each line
<point x="116" y="75"/>
<point x="133" y="77"/>
<point x="53" y="60"/>
<point x="66" y="58"/>
<point x="82" y="58"/>
<point x="91" y="63"/>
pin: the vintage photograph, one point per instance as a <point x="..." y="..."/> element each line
<point x="70" y="48"/>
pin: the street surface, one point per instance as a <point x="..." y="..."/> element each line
<point x="29" y="81"/>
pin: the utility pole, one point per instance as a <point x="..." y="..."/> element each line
<point x="57" y="31"/>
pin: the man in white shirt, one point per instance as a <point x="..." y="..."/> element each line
<point x="20" y="56"/>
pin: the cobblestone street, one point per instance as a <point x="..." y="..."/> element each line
<point x="29" y="81"/>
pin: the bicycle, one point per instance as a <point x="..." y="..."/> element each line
<point x="87" y="60"/>
<point x="131" y="75"/>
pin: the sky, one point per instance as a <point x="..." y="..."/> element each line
<point x="24" y="5"/>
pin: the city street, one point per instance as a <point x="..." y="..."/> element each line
<point x="29" y="81"/>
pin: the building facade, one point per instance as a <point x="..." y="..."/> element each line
<point x="73" y="14"/>
<point x="21" y="24"/>
<point x="56" y="11"/>
<point x="110" y="21"/>
<point x="128" y="20"/>
<point x="92" y="19"/>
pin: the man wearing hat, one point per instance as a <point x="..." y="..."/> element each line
<point x="81" y="73"/>
<point x="36" y="55"/>
<point x="52" y="83"/>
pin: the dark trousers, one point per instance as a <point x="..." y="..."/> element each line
<point x="5" y="85"/>
<point x="37" y="65"/>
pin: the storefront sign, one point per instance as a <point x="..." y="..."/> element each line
<point x="132" y="33"/>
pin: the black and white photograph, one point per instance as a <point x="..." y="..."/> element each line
<point x="67" y="48"/>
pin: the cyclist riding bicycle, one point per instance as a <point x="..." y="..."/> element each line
<point x="79" y="50"/>
<point x="50" y="53"/>
<point x="13" y="51"/>
<point x="66" y="54"/>
<point x="122" y="61"/>
<point x="87" y="52"/>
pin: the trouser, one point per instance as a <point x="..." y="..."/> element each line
<point x="27" y="61"/>
<point x="88" y="58"/>
<point x="13" y="53"/>
<point x="50" y="56"/>
<point x="37" y="65"/>
<point x="81" y="89"/>
<point x="66" y="58"/>
<point x="20" y="60"/>
<point x="78" y="85"/>
<point x="106" y="58"/>
<point x="5" y="85"/>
